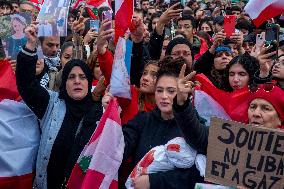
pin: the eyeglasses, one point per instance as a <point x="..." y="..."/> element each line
<point x="185" y="26"/>
<point x="181" y="53"/>
<point x="279" y="62"/>
<point x="267" y="87"/>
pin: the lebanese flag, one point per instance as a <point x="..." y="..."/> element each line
<point x="8" y="86"/>
<point x="123" y="17"/>
<point x="19" y="139"/>
<point x="78" y="3"/>
<point x="98" y="164"/>
<point x="262" y="10"/>
<point x="211" y="101"/>
<point x="93" y="6"/>
<point x="37" y="3"/>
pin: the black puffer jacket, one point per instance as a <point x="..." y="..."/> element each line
<point x="148" y="130"/>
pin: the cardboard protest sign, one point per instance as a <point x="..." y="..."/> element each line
<point x="13" y="37"/>
<point x="52" y="18"/>
<point x="244" y="155"/>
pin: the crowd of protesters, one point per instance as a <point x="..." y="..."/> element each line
<point x="172" y="43"/>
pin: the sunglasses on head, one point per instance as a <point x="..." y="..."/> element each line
<point x="267" y="87"/>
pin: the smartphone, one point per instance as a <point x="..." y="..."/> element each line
<point x="107" y="15"/>
<point x="260" y="39"/>
<point x="272" y="38"/>
<point x="229" y="24"/>
<point x="172" y="2"/>
<point x="207" y="13"/>
<point x="95" y="25"/>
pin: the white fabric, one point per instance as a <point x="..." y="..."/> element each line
<point x="19" y="139"/>
<point x="120" y="79"/>
<point x="175" y="154"/>
<point x="118" y="4"/>
<point x="207" y="107"/>
<point x="255" y="7"/>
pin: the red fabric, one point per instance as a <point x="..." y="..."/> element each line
<point x="75" y="181"/>
<point x="17" y="182"/>
<point x="93" y="178"/>
<point x="96" y="3"/>
<point x="274" y="96"/>
<point x="8" y="86"/>
<point x="234" y="103"/>
<point x="123" y="18"/>
<point x="269" y="12"/>
<point x="148" y="106"/>
<point x="129" y="107"/>
<point x="203" y="48"/>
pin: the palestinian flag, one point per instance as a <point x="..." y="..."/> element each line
<point x="98" y="164"/>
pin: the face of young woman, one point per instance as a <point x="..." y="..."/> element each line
<point x="18" y="26"/>
<point x="278" y="69"/>
<point x="221" y="60"/>
<point x="66" y="55"/>
<point x="238" y="77"/>
<point x="97" y="71"/>
<point x="148" y="79"/>
<point x="77" y="84"/>
<point x="166" y="90"/>
<point x="205" y="27"/>
<point x="262" y="112"/>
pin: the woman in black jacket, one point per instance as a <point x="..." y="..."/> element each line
<point x="67" y="119"/>
<point x="148" y="130"/>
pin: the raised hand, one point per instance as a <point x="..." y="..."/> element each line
<point x="31" y="33"/>
<point x="167" y="16"/>
<point x="185" y="85"/>
<point x="104" y="36"/>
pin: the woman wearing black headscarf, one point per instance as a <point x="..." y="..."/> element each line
<point x="67" y="119"/>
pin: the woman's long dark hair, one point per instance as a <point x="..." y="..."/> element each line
<point x="249" y="63"/>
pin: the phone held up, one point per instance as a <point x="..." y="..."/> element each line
<point x="229" y="24"/>
<point x="272" y="38"/>
<point x="95" y="25"/>
<point x="172" y="2"/>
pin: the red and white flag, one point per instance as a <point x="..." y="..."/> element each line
<point x="98" y="164"/>
<point x="123" y="16"/>
<point x="262" y="10"/>
<point x="19" y="134"/>
<point x="211" y="101"/>
<point x="8" y="86"/>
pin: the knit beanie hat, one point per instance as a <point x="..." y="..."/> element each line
<point x="177" y="41"/>
<point x="275" y="96"/>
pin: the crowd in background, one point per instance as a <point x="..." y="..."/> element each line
<point x="172" y="43"/>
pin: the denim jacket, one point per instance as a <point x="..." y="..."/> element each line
<point x="50" y="125"/>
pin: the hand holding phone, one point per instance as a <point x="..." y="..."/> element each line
<point x="107" y="15"/>
<point x="272" y="38"/>
<point x="95" y="25"/>
<point x="229" y="24"/>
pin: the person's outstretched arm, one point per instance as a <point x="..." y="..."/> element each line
<point x="34" y="95"/>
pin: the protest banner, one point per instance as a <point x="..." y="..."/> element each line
<point x="52" y="18"/>
<point x="245" y="155"/>
<point x="12" y="33"/>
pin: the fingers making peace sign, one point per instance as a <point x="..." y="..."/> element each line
<point x="185" y="85"/>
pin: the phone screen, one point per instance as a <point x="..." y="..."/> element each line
<point x="172" y="2"/>
<point x="95" y="25"/>
<point x="271" y="37"/>
<point x="107" y="15"/>
<point x="229" y="24"/>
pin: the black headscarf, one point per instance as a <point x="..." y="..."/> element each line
<point x="71" y="139"/>
<point x="77" y="107"/>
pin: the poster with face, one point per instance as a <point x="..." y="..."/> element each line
<point x="52" y="18"/>
<point x="13" y="37"/>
